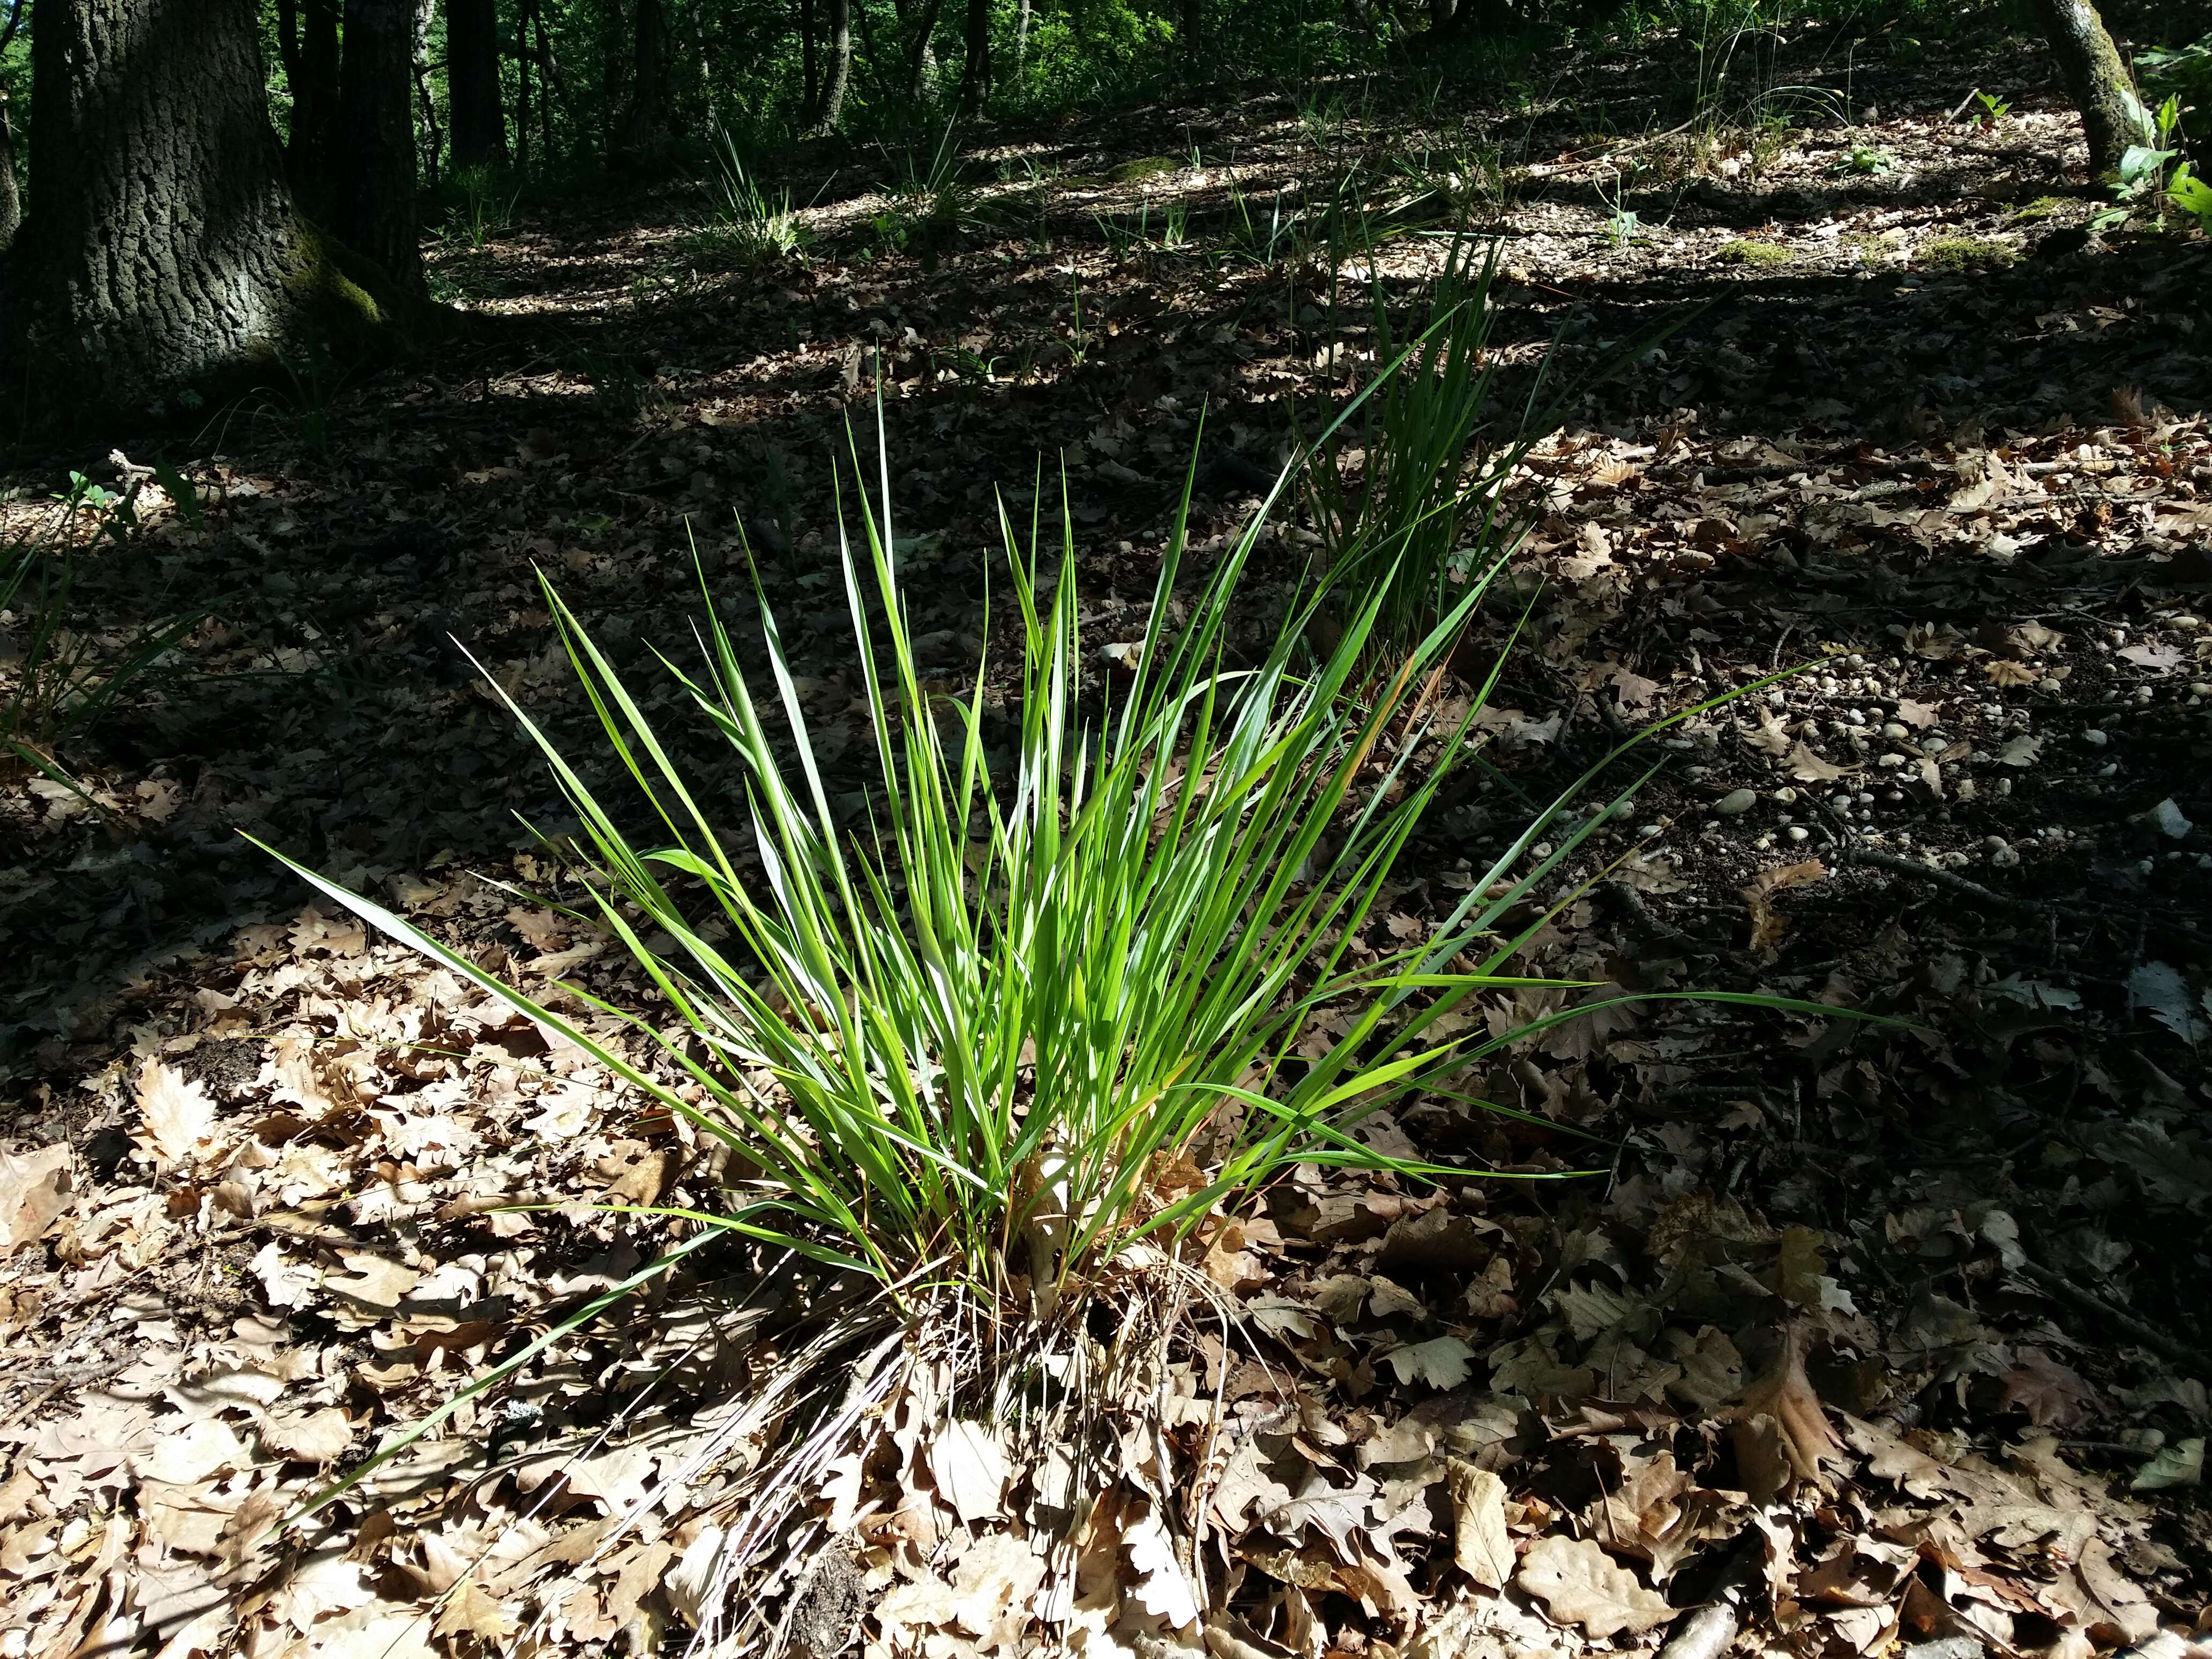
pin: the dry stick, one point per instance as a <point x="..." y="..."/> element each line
<point x="1919" y="872"/>
<point x="2090" y="1302"/>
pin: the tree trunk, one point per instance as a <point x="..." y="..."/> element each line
<point x="375" y="209"/>
<point x="523" y="107"/>
<point x="2113" y="116"/>
<point x="11" y="205"/>
<point x="1194" y="26"/>
<point x="975" y="67"/>
<point x="168" y="254"/>
<point x="551" y="83"/>
<point x="308" y="40"/>
<point x="648" y="113"/>
<point x="918" y="51"/>
<point x="472" y="94"/>
<point x="839" y="74"/>
<point x="810" y="71"/>
<point x="429" y="141"/>
<point x="1021" y="37"/>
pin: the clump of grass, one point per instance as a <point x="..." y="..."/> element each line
<point x="1965" y="252"/>
<point x="1404" y="487"/>
<point x="1747" y="251"/>
<point x="1092" y="965"/>
<point x="746" y="221"/>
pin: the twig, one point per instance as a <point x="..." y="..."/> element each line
<point x="2118" y="1318"/>
<point x="1929" y="873"/>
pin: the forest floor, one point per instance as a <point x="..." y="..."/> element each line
<point x="1899" y="1329"/>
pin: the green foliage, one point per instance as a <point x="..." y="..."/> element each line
<point x="746" y="221"/>
<point x="1416" y="520"/>
<point x="1031" y="1009"/>
<point x="1965" y="252"/>
<point x="1747" y="251"/>
<point x="1865" y="160"/>
<point x="59" y="676"/>
<point x="480" y="204"/>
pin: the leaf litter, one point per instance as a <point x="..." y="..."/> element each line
<point x="1897" y="1316"/>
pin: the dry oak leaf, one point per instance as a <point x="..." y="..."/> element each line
<point x="177" y="1117"/>
<point x="1580" y="1584"/>
<point x="1806" y="767"/>
<point x="34" y="1189"/>
<point x="1480" y="1544"/>
<point x="1781" y="1430"/>
<point x="1442" y="1362"/>
<point x="969" y="1467"/>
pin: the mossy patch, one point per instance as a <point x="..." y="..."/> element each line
<point x="1964" y="253"/>
<point x="1745" y="252"/>
<point x="1872" y="245"/>
<point x="1144" y="166"/>
<point x="2043" y="207"/>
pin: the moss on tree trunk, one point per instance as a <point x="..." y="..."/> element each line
<point x="2096" y="80"/>
<point x="163" y="260"/>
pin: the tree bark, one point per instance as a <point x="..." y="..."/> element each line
<point x="473" y="103"/>
<point x="429" y="141"/>
<point x="2113" y="116"/>
<point x="307" y="41"/>
<point x="168" y="255"/>
<point x="647" y="111"/>
<point x="839" y="74"/>
<point x="1021" y="37"/>
<point x="375" y="209"/>
<point x="810" y="70"/>
<point x="1193" y="26"/>
<point x="524" y="106"/>
<point x="975" y="67"/>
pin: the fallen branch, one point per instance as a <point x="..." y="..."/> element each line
<point x="2118" y="1318"/>
<point x="1936" y="878"/>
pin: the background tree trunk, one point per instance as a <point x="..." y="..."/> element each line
<point x="168" y="254"/>
<point x="648" y="61"/>
<point x="839" y="74"/>
<point x="375" y="207"/>
<point x="11" y="204"/>
<point x="810" y="70"/>
<point x="307" y="38"/>
<point x="472" y="94"/>
<point x="2096" y="80"/>
<point x="976" y="66"/>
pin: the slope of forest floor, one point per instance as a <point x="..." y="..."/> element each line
<point x="1897" y="1330"/>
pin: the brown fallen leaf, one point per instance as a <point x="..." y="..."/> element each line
<point x="1480" y="1544"/>
<point x="34" y="1189"/>
<point x="1806" y="767"/>
<point x="1580" y="1584"/>
<point x="177" y="1117"/>
<point x="1780" y="1428"/>
<point x="1767" y="923"/>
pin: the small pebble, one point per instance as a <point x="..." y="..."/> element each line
<point x="1894" y="732"/>
<point x="2004" y="858"/>
<point x="1785" y="795"/>
<point x="1648" y="831"/>
<point x="1892" y="759"/>
<point x="2004" y="785"/>
<point x="1735" y="803"/>
<point x="1799" y="832"/>
<point x="2048" y="686"/>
